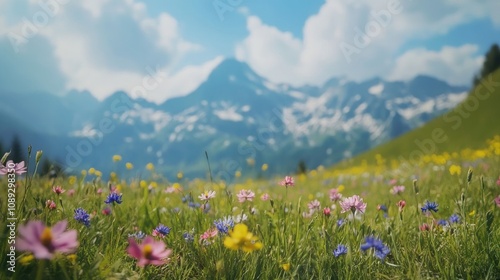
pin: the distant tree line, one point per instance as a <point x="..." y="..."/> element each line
<point x="491" y="64"/>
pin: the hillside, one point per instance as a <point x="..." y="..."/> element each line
<point x="469" y="125"/>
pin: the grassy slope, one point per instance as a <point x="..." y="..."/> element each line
<point x="469" y="125"/>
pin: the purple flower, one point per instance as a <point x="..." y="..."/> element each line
<point x="442" y="222"/>
<point x="340" y="222"/>
<point x="429" y="206"/>
<point x="44" y="241"/>
<point x="224" y="225"/>
<point x="11" y="167"/>
<point x="353" y="204"/>
<point x="397" y="189"/>
<point x="245" y="195"/>
<point x="113" y="197"/>
<point x="188" y="237"/>
<point x="161" y="231"/>
<point x="149" y="251"/>
<point x="314" y="205"/>
<point x="340" y="250"/>
<point x="381" y="251"/>
<point x="288" y="181"/>
<point x="335" y="195"/>
<point x="82" y="216"/>
<point x="454" y="219"/>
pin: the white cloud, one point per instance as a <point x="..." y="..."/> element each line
<point x="319" y="55"/>
<point x="456" y="65"/>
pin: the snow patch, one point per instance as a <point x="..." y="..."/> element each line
<point x="376" y="89"/>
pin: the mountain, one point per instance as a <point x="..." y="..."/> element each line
<point x="462" y="127"/>
<point x="234" y="115"/>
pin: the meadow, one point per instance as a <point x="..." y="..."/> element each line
<point x="435" y="218"/>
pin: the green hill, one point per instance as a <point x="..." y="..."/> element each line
<point x="469" y="125"/>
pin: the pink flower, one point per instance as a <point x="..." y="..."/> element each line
<point x="497" y="200"/>
<point x="397" y="189"/>
<point x="210" y="233"/>
<point x="264" y="197"/>
<point x="149" y="251"/>
<point x="498" y="181"/>
<point x="207" y="195"/>
<point x="335" y="195"/>
<point x="393" y="182"/>
<point x="353" y="204"/>
<point x="327" y="212"/>
<point x="11" y="167"/>
<point x="245" y="195"/>
<point x="50" y="204"/>
<point x="58" y="190"/>
<point x="314" y="205"/>
<point x="288" y="181"/>
<point x="99" y="191"/>
<point x="401" y="204"/>
<point x="106" y="211"/>
<point x="424" y="227"/>
<point x="71" y="192"/>
<point x="44" y="241"/>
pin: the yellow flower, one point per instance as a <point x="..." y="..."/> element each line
<point x="150" y="166"/>
<point x="153" y="184"/>
<point x="237" y="174"/>
<point x="250" y="161"/>
<point x="129" y="165"/>
<point x="180" y="175"/>
<point x="84" y="172"/>
<point x="472" y="213"/>
<point x="340" y="188"/>
<point x="72" y="180"/>
<point x="91" y="170"/>
<point x="286" y="266"/>
<point x="143" y="184"/>
<point x="25" y="260"/>
<point x="455" y="169"/>
<point x="112" y="175"/>
<point x="240" y="238"/>
<point x="72" y="258"/>
<point x="177" y="186"/>
<point x="98" y="173"/>
<point x="117" y="158"/>
<point x="264" y="167"/>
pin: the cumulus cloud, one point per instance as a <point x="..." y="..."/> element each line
<point x="356" y="39"/>
<point x="456" y="65"/>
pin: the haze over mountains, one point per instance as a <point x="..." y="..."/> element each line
<point x="234" y="115"/>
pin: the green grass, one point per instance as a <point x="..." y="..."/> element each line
<point x="469" y="125"/>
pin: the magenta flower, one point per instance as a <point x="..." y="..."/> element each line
<point x="44" y="241"/>
<point x="245" y="195"/>
<point x="11" y="167"/>
<point x="327" y="211"/>
<point x="50" y="204"/>
<point x="58" y="190"/>
<point x="335" y="195"/>
<point x="314" y="205"/>
<point x="288" y="181"/>
<point x="353" y="204"/>
<point x="397" y="189"/>
<point x="149" y="251"/>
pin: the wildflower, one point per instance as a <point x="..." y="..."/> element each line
<point x="353" y="204"/>
<point x="241" y="238"/>
<point x="335" y="195"/>
<point x="286" y="266"/>
<point x="82" y="216"/>
<point x="113" y="197"/>
<point x="50" y="204"/>
<point x="210" y="233"/>
<point x="314" y="205"/>
<point x="442" y="222"/>
<point x="129" y="165"/>
<point x="207" y="195"/>
<point x="91" y="170"/>
<point x="71" y="192"/>
<point x="117" y="158"/>
<point x="381" y="250"/>
<point x="205" y="207"/>
<point x="99" y="191"/>
<point x="497" y="200"/>
<point x="224" y="225"/>
<point x="327" y="211"/>
<point x="307" y="215"/>
<point x="26" y="260"/>
<point x="161" y="231"/>
<point x="264" y="197"/>
<point x="340" y="250"/>
<point x="188" y="237"/>
<point x="72" y="258"/>
<point x="424" y="227"/>
<point x="429" y="206"/>
<point x="180" y="175"/>
<point x="393" y="182"/>
<point x="245" y="195"/>
<point x="149" y="251"/>
<point x="340" y="222"/>
<point x="397" y="189"/>
<point x="382" y="207"/>
<point x="150" y="166"/>
<point x="137" y="235"/>
<point x="240" y="218"/>
<point x="264" y="167"/>
<point x="401" y="204"/>
<point x="455" y="169"/>
<point x="288" y="182"/>
<point x="498" y="181"/>
<point x="106" y="211"/>
<point x="11" y="168"/>
<point x="454" y="219"/>
<point x="44" y="241"/>
<point x="192" y="204"/>
<point x="58" y="190"/>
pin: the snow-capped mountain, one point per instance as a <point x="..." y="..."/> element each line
<point x="234" y="115"/>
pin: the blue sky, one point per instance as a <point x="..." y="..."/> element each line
<point x="107" y="45"/>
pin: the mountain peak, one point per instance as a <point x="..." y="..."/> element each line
<point x="231" y="68"/>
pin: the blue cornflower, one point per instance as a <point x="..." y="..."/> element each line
<point x="187" y="198"/>
<point x="188" y="237"/>
<point x="340" y="250"/>
<point x="194" y="204"/>
<point x="113" y="197"/>
<point x="429" y="206"/>
<point x="82" y="216"/>
<point x="454" y="219"/>
<point x="161" y="230"/>
<point x="224" y="225"/>
<point x="138" y="235"/>
<point x="340" y="222"/>
<point x="381" y="250"/>
<point x="382" y="208"/>
<point x="442" y="222"/>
